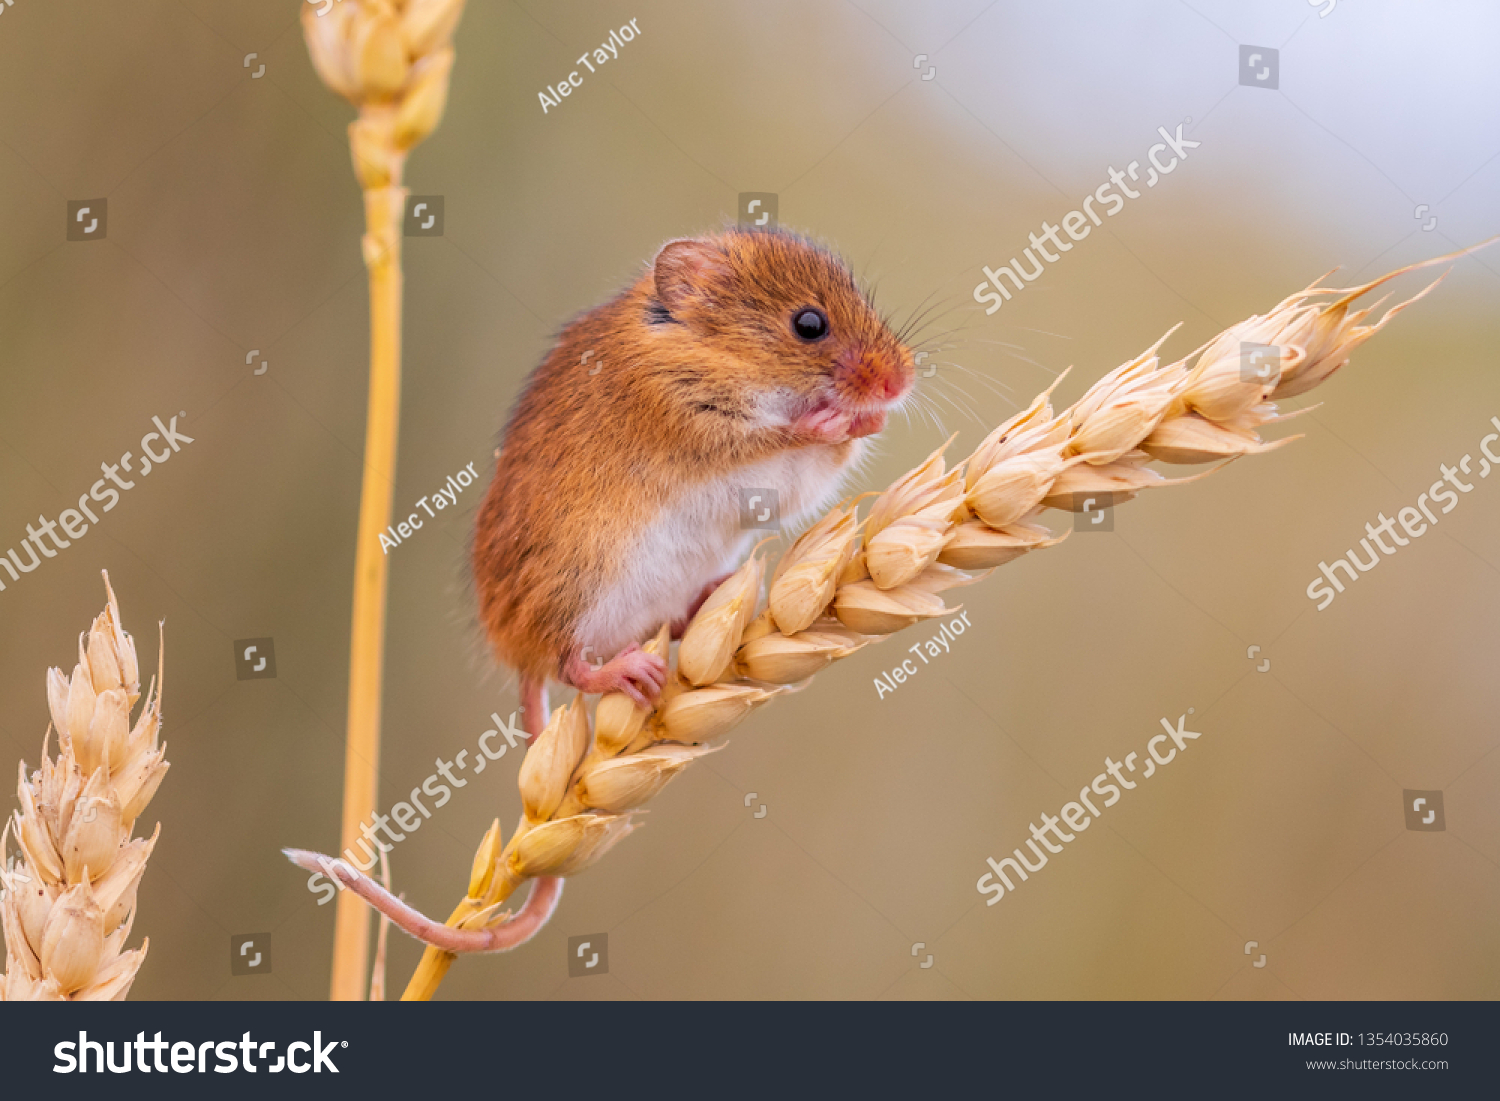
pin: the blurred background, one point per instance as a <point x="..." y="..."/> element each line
<point x="922" y="142"/>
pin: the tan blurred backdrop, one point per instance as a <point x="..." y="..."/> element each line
<point x="233" y="226"/>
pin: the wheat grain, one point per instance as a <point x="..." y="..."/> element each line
<point x="70" y="899"/>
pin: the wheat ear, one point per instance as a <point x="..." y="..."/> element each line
<point x="392" y="60"/>
<point x="70" y="899"/>
<point x="846" y="583"/>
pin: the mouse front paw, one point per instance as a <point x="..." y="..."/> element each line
<point x="823" y="425"/>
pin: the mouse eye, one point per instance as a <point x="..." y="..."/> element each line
<point x="810" y="324"/>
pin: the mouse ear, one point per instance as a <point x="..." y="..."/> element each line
<point x="686" y="270"/>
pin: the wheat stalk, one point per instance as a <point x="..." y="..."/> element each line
<point x="392" y="60"/>
<point x="70" y="899"/>
<point x="846" y="583"/>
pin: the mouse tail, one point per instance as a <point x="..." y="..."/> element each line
<point x="514" y="930"/>
<point x="534" y="712"/>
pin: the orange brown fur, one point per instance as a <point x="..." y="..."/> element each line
<point x="698" y="374"/>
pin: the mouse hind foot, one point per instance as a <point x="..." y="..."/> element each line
<point x="633" y="671"/>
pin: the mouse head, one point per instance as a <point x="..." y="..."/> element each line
<point x="787" y="318"/>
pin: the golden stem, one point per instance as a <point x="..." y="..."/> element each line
<point x="382" y="253"/>
<point x="434" y="965"/>
<point x="435" y="962"/>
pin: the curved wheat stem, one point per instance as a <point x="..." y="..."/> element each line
<point x="847" y="582"/>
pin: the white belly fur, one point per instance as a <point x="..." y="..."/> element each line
<point x="700" y="539"/>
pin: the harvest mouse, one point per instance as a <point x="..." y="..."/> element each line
<point x="742" y="359"/>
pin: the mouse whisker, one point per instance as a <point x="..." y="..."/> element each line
<point x="1034" y="363"/>
<point x="937" y="393"/>
<point x="917" y="320"/>
<point x="933" y="413"/>
<point x="913" y="400"/>
<point x="928" y="317"/>
<point x="920" y="305"/>
<point x="995" y="385"/>
<point x="1044" y="332"/>
<point x="936" y="342"/>
<point x="962" y="406"/>
<point x="953" y="384"/>
<point x="938" y="339"/>
<point x="1000" y="344"/>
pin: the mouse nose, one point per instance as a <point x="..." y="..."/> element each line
<point x="892" y="384"/>
<point x="872" y="375"/>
